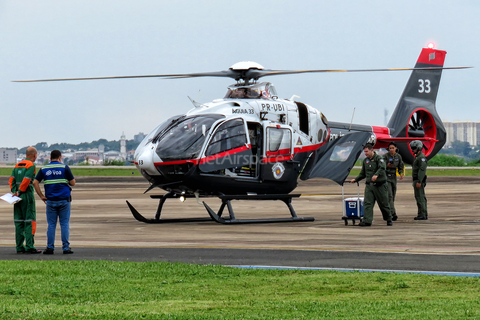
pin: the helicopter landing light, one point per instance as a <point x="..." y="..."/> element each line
<point x="246" y="65"/>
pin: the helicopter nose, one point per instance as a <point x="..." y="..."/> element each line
<point x="144" y="161"/>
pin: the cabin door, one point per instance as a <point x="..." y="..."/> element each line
<point x="228" y="152"/>
<point x="277" y="164"/>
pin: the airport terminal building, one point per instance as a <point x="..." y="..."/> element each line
<point x="8" y="156"/>
<point x="466" y="131"/>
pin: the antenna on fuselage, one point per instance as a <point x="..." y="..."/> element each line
<point x="195" y="103"/>
<point x="352" y="119"/>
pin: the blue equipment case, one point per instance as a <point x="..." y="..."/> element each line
<point x="352" y="207"/>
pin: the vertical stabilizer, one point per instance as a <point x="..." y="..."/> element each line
<point x="416" y="116"/>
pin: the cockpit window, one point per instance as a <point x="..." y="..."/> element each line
<point x="243" y="93"/>
<point x="184" y="140"/>
<point x="264" y="90"/>
<point x="270" y="91"/>
<point x="229" y="135"/>
<point x="164" y="126"/>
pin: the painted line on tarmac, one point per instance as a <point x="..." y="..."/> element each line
<point x="435" y="273"/>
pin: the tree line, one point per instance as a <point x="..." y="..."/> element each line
<point x="109" y="146"/>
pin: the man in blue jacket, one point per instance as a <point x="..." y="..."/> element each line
<point x="58" y="179"/>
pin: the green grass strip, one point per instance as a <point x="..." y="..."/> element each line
<point x="106" y="172"/>
<point x="91" y="171"/>
<point x="158" y="290"/>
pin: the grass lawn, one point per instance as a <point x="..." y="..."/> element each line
<point x="158" y="290"/>
<point x="92" y="171"/>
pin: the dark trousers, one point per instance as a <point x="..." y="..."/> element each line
<point x="421" y="200"/>
<point x="392" y="192"/>
<point x="379" y="194"/>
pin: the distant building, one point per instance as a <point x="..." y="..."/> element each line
<point x="112" y="155"/>
<point x="465" y="131"/>
<point x="8" y="156"/>
<point x="43" y="156"/>
<point x="91" y="154"/>
<point x="131" y="155"/>
<point x="139" y="137"/>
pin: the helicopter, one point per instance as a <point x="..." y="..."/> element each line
<point x="253" y="145"/>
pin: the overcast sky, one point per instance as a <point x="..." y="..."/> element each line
<point x="62" y="39"/>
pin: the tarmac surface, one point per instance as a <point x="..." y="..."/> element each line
<point x="103" y="228"/>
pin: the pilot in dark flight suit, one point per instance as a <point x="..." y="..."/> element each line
<point x="373" y="169"/>
<point x="394" y="162"/>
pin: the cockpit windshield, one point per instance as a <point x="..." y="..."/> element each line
<point x="242" y="93"/>
<point x="184" y="140"/>
<point x="264" y="90"/>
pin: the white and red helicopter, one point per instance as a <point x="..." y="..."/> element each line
<point x="253" y="145"/>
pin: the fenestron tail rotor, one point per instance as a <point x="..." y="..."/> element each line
<point x="416" y="124"/>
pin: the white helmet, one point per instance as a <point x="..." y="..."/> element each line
<point x="416" y="145"/>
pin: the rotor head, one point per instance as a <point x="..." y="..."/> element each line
<point x="246" y="65"/>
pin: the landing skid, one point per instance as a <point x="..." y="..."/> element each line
<point x="231" y="219"/>
<point x="157" y="219"/>
<point x="286" y="198"/>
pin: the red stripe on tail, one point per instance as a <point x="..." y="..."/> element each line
<point x="432" y="56"/>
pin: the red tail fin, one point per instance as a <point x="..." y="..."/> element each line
<point x="431" y="57"/>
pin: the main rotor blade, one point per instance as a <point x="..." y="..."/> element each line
<point x="228" y="73"/>
<point x="239" y="74"/>
<point x="263" y="73"/>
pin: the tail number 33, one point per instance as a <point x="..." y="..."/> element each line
<point x="424" y="86"/>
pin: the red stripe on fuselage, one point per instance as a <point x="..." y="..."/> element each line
<point x="236" y="150"/>
<point x="278" y="153"/>
<point x="224" y="154"/>
<point x="381" y="133"/>
<point x="296" y="150"/>
<point x="206" y="159"/>
<point x="278" y="159"/>
<point x="194" y="161"/>
<point x="310" y="148"/>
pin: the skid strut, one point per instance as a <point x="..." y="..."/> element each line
<point x="286" y="198"/>
<point x="157" y="219"/>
